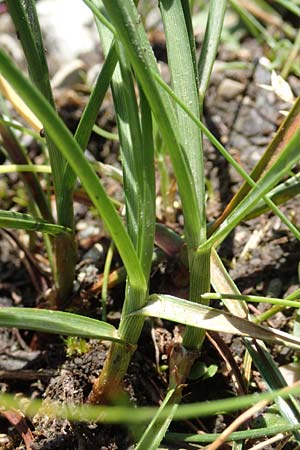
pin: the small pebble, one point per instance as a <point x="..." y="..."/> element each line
<point x="70" y="74"/>
<point x="229" y="89"/>
<point x="275" y="288"/>
<point x="95" y="254"/>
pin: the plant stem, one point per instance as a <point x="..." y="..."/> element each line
<point x="107" y="386"/>
<point x="26" y="22"/>
<point x="136" y="141"/>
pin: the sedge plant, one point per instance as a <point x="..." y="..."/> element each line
<point x="143" y="104"/>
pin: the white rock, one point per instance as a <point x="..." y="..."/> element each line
<point x="68" y="29"/>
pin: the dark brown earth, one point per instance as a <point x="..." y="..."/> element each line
<point x="242" y="115"/>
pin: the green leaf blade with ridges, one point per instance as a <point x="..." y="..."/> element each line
<point x="57" y="322"/>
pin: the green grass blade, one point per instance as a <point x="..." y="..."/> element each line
<point x="147" y="214"/>
<point x="286" y="160"/>
<point x="19" y="168"/>
<point x="137" y="158"/>
<point x="106" y="271"/>
<point x="90" y="112"/>
<point x="131" y="33"/>
<point x="131" y="415"/>
<point x="199" y="282"/>
<point x="129" y="133"/>
<point x="19" y="221"/>
<point x="210" y="44"/>
<point x="57" y="322"/>
<point x="288" y="407"/>
<point x="266" y="315"/>
<point x="202" y="316"/>
<point x="94" y="7"/>
<point x="73" y="153"/>
<point x="288" y="126"/>
<point x="22" y="128"/>
<point x="290" y="6"/>
<point x="105" y="134"/>
<point x="188" y="12"/>
<point x="24" y="15"/>
<point x="158" y="426"/>
<point x="280" y="194"/>
<point x="282" y="165"/>
<point x="252" y="298"/>
<point x="138" y="177"/>
<point x="253" y="433"/>
<point x="25" y="18"/>
<point x="184" y="84"/>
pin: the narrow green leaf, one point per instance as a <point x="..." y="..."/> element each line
<point x="34" y="168"/>
<point x="122" y="414"/>
<point x="73" y="153"/>
<point x="290" y="6"/>
<point x="239" y="169"/>
<point x="106" y="134"/>
<point x="252" y="298"/>
<point x="199" y="282"/>
<point x="131" y="33"/>
<point x="90" y="112"/>
<point x="280" y="194"/>
<point x="94" y="7"/>
<point x="286" y="160"/>
<point x="202" y="316"/>
<point x="106" y="271"/>
<point x="181" y="59"/>
<point x="184" y="84"/>
<point x="147" y="212"/>
<point x="187" y="9"/>
<point x="19" y="221"/>
<point x="287" y="128"/>
<point x="22" y="128"/>
<point x="129" y="129"/>
<point x="57" y="322"/>
<point x="158" y="426"/>
<point x="24" y="16"/>
<point x="210" y="44"/>
<point x="138" y="175"/>
<point x="253" y="433"/>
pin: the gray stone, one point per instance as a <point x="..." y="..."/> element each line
<point x="229" y="89"/>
